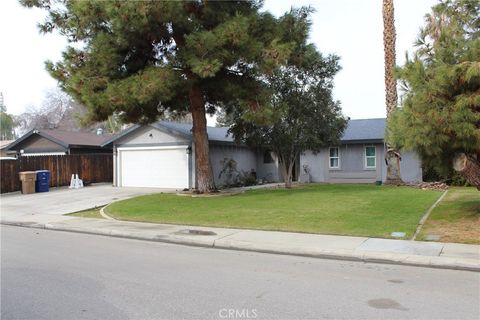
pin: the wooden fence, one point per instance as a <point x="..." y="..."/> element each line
<point x="90" y="168"/>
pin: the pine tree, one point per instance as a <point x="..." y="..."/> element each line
<point x="141" y="59"/>
<point x="440" y="114"/>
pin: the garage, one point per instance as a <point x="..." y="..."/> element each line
<point x="160" y="167"/>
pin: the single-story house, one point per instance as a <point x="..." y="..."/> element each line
<point x="58" y="142"/>
<point x="162" y="155"/>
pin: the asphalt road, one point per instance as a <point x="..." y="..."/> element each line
<point x="59" y="275"/>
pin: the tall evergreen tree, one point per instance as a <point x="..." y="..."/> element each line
<point x="140" y="59"/>
<point x="440" y="114"/>
<point x="224" y="118"/>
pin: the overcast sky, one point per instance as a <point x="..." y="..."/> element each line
<point x="351" y="29"/>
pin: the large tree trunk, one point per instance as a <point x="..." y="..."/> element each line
<point x="203" y="168"/>
<point x="393" y="159"/>
<point x="469" y="168"/>
<point x="287" y="175"/>
<point x="392" y="156"/>
<point x="288" y="181"/>
<point x="287" y="170"/>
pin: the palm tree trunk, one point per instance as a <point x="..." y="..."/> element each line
<point x="392" y="156"/>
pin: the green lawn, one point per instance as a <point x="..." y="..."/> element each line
<point x="456" y="218"/>
<point x="90" y="213"/>
<point x="364" y="210"/>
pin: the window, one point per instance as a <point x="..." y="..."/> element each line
<point x="370" y="157"/>
<point x="267" y="157"/>
<point x="334" y="158"/>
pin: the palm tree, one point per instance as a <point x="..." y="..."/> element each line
<point x="392" y="156"/>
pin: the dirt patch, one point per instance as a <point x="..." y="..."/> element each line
<point x="458" y="195"/>
<point x="461" y="231"/>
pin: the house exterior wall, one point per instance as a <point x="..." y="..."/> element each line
<point x="244" y="157"/>
<point x="89" y="150"/>
<point x="352" y="167"/>
<point x="316" y="164"/>
<point x="268" y="172"/>
<point x="149" y="136"/>
<point x="411" y="167"/>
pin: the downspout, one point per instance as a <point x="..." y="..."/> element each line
<point x="190" y="166"/>
<point x="192" y="169"/>
<point x="115" y="184"/>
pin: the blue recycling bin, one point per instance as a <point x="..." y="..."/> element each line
<point x="43" y="181"/>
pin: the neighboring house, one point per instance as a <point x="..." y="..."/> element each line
<point x="3" y="148"/>
<point x="58" y="142"/>
<point x="162" y="155"/>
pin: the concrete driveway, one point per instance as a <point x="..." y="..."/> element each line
<point x="61" y="201"/>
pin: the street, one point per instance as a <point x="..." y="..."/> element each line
<point x="60" y="275"/>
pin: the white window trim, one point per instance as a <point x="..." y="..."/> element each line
<point x="366" y="157"/>
<point x="337" y="157"/>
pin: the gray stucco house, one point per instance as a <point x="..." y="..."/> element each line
<point x="162" y="155"/>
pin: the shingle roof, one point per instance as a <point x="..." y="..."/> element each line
<point x="357" y="130"/>
<point x="364" y="130"/>
<point x="214" y="133"/>
<point x="66" y="138"/>
<point x="76" y="138"/>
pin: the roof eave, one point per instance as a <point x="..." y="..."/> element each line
<point x="225" y="142"/>
<point x="48" y="137"/>
<point x="120" y="135"/>
<point x="31" y="133"/>
<point x="359" y="141"/>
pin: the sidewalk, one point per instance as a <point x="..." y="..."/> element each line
<point x="405" y="252"/>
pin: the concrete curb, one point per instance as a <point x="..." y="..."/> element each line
<point x="427" y="214"/>
<point x="103" y="214"/>
<point x="347" y="255"/>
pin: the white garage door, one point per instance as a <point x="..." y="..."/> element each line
<point x="162" y="167"/>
